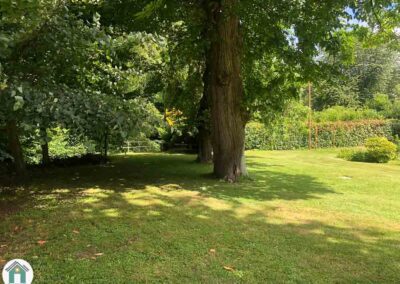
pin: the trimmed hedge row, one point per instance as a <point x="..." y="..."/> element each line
<point x="324" y="135"/>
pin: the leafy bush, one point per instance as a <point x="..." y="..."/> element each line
<point x="377" y="150"/>
<point x="287" y="131"/>
<point x="380" y="102"/>
<point x="349" y="133"/>
<point x="380" y="150"/>
<point x="397" y="142"/>
<point x="394" y="111"/>
<point x="255" y="135"/>
<point x="62" y="145"/>
<point x="340" y="113"/>
<point x="356" y="155"/>
<point x="286" y="134"/>
<point x="337" y="126"/>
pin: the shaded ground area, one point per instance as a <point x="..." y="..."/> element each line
<point x="301" y="217"/>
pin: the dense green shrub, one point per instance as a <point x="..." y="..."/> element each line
<point x="340" y="113"/>
<point x="380" y="150"/>
<point x="396" y="128"/>
<point x="61" y="145"/>
<point x="377" y="150"/>
<point x="356" y="155"/>
<point x="337" y="126"/>
<point x="396" y="141"/>
<point x="394" y="111"/>
<point x="277" y="137"/>
<point x="294" y="135"/>
<point x="349" y="133"/>
<point x="380" y="102"/>
<point x="288" y="131"/>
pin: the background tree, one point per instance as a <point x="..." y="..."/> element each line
<point x="243" y="34"/>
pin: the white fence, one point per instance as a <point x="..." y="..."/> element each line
<point x="136" y="146"/>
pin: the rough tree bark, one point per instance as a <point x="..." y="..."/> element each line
<point x="226" y="90"/>
<point x="45" y="147"/>
<point x="14" y="147"/>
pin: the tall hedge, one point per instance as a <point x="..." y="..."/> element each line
<point x="281" y="136"/>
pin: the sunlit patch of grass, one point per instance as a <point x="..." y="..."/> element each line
<point x="163" y="218"/>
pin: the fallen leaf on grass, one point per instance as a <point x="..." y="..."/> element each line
<point x="213" y="251"/>
<point x="3" y="246"/>
<point x="75" y="231"/>
<point x="99" y="254"/>
<point x="41" y="242"/>
<point x="229" y="268"/>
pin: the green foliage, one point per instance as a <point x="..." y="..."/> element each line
<point x="287" y="131"/>
<point x="293" y="134"/>
<point x="340" y="113"/>
<point x="380" y="150"/>
<point x="394" y="111"/>
<point x="377" y="150"/>
<point x="63" y="145"/>
<point x="79" y="76"/>
<point x="371" y="76"/>
<point x="355" y="155"/>
<point x="334" y="127"/>
<point x="349" y="134"/>
<point x="60" y="142"/>
<point x="380" y="102"/>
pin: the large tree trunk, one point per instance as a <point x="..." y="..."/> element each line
<point x="14" y="147"/>
<point x="226" y="91"/>
<point x="45" y="147"/>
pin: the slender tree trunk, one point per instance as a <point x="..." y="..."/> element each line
<point x="106" y="144"/>
<point x="205" y="151"/>
<point x="14" y="147"/>
<point x="226" y="91"/>
<point x="45" y="147"/>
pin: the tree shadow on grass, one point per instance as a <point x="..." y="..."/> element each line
<point x="137" y="235"/>
<point x="179" y="171"/>
<point x="155" y="218"/>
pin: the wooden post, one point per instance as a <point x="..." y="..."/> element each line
<point x="309" y="117"/>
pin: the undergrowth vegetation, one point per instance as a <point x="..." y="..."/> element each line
<point x="377" y="150"/>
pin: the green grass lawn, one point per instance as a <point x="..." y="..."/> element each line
<point x="302" y="217"/>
